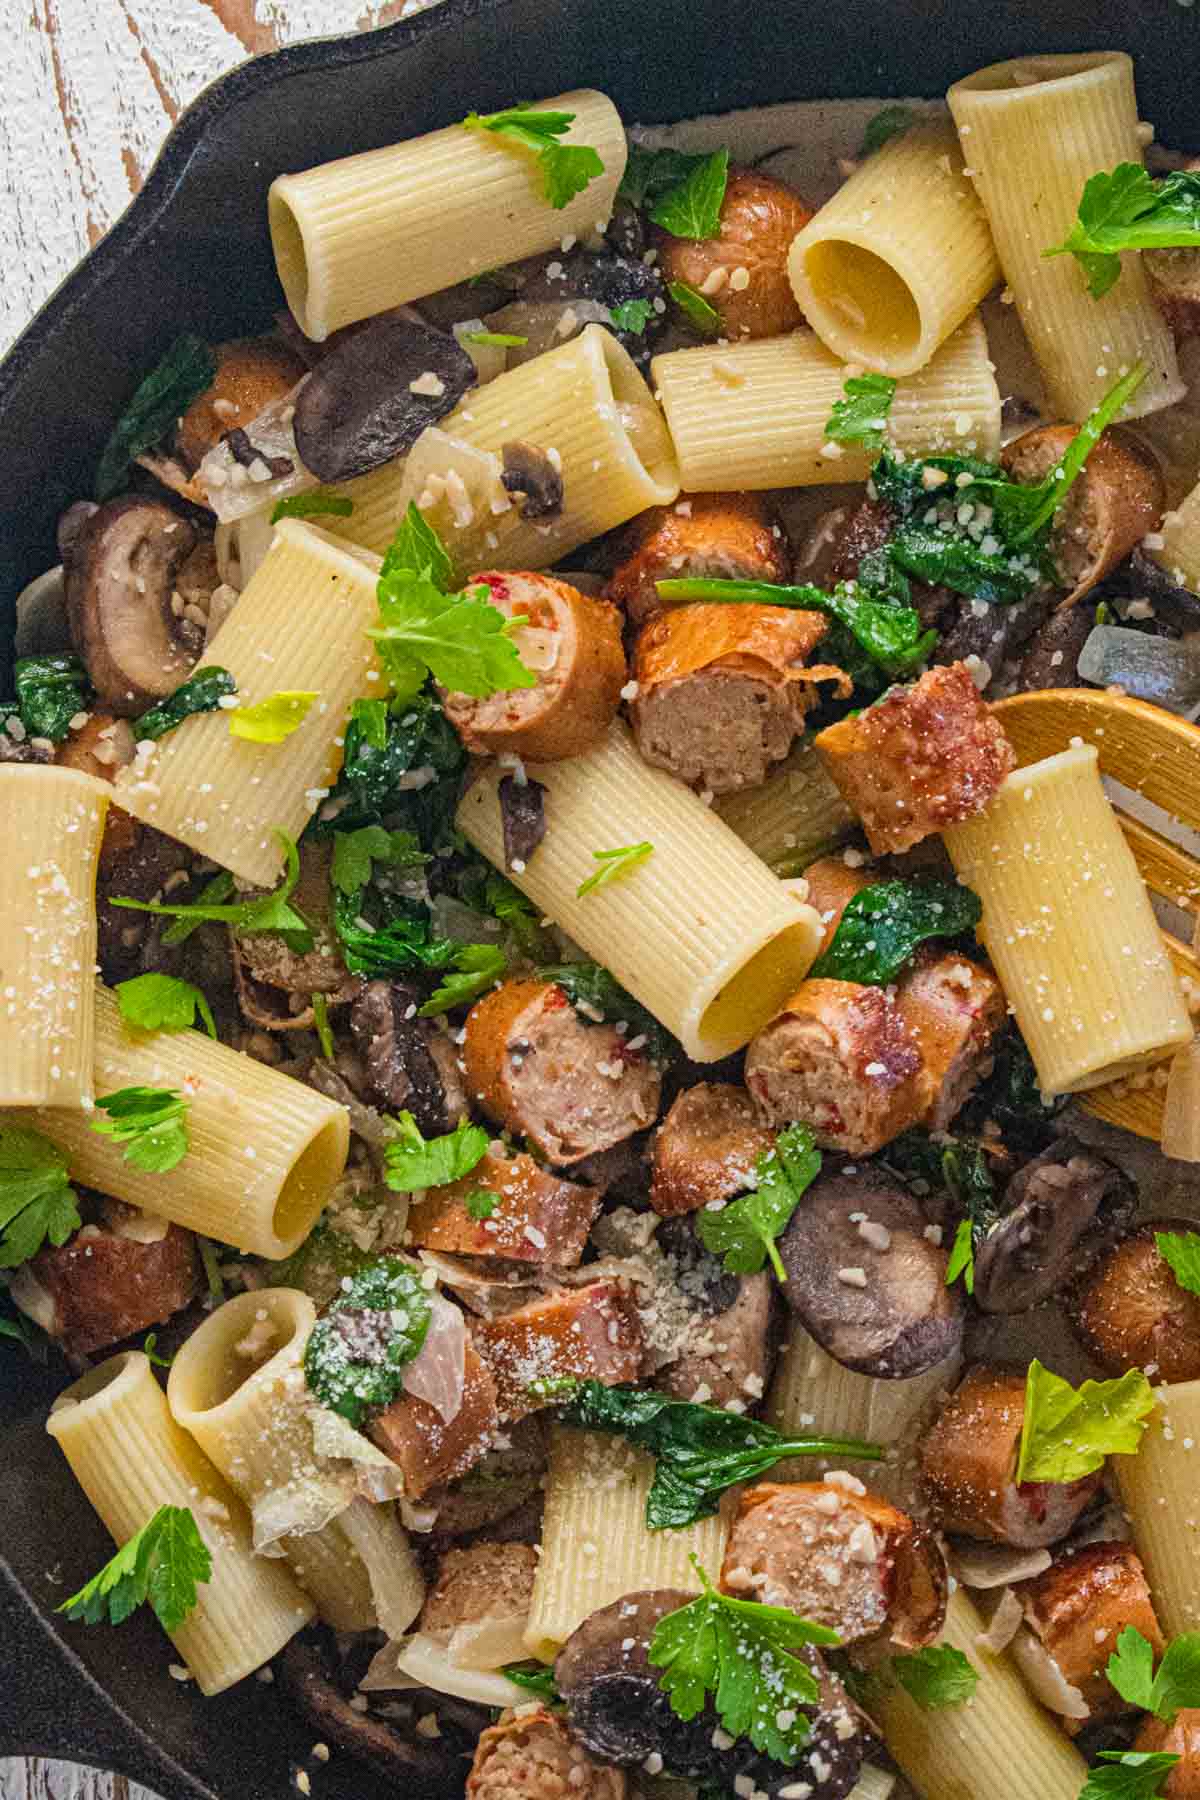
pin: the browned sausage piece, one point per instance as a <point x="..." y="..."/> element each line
<point x="251" y="372"/>
<point x="1175" y="283"/>
<point x="726" y="1355"/>
<point x="486" y="1580"/>
<point x="408" y="1063"/>
<point x="922" y="758"/>
<point x="532" y="1756"/>
<point x="706" y="1148"/>
<point x="591" y="1333"/>
<point x="832" y="884"/>
<point x="969" y="1462"/>
<point x="841" y="1058"/>
<point x="742" y="272"/>
<point x="538" y="1069"/>
<point x="1116" y="500"/>
<point x="535" y="1216"/>
<point x="841" y="538"/>
<point x="1131" y="1313"/>
<point x="275" y="984"/>
<point x="833" y="1552"/>
<point x="107" y="1282"/>
<point x="1075" y="1611"/>
<point x="1182" y="1739"/>
<point x="735" y="537"/>
<point x="572" y="643"/>
<point x="430" y="1451"/>
<point x="953" y="1008"/>
<point x="722" y="690"/>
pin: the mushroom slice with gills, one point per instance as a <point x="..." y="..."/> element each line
<point x="405" y="1064"/>
<point x="865" y="1280"/>
<point x="969" y="1465"/>
<point x="1064" y="1209"/>
<point x="370" y="399"/>
<point x="1130" y="1312"/>
<point x="1074" y="1613"/>
<point x="1175" y="606"/>
<point x="835" y="1553"/>
<point x="532" y="477"/>
<point x="605" y="280"/>
<point x="1051" y="657"/>
<point x="120" y="580"/>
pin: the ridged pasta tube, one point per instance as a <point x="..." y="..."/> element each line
<point x="54" y="821"/>
<point x="700" y="932"/>
<point x="265" y="1150"/>
<point x="900" y="255"/>
<point x="1033" y="131"/>
<point x="795" y="816"/>
<point x="130" y="1457"/>
<point x="237" y="1386"/>
<point x="1160" y="1491"/>
<point x="753" y="415"/>
<point x="1069" y="926"/>
<point x="354" y="237"/>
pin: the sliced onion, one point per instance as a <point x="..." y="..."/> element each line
<point x="1004" y="1625"/>
<point x="1181" y="1107"/>
<point x="376" y="1477"/>
<point x="42" y="628"/>
<point x="422" y="1662"/>
<point x="307" y="1504"/>
<point x="995" y="1565"/>
<point x="242" y="544"/>
<point x="457" y="488"/>
<point x="545" y="324"/>
<point x="1044" y="1678"/>
<point x="141" y="1227"/>
<point x="396" y="1585"/>
<point x="488" y="1643"/>
<point x="232" y="495"/>
<point x="34" y="1300"/>
<point x="436" y="1374"/>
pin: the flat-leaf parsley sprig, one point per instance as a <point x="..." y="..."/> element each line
<point x="37" y="1200"/>
<point x="150" y="1122"/>
<point x="745" y="1230"/>
<point x="161" y="1563"/>
<point x="566" y="169"/>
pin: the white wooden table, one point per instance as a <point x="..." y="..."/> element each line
<point x="91" y="89"/>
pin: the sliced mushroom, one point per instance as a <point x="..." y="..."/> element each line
<point x="522" y="818"/>
<point x="1176" y="606"/>
<point x="251" y="372"/>
<point x="1065" y="1206"/>
<point x="1131" y="1313"/>
<point x="608" y="279"/>
<point x="372" y="397"/>
<point x="866" y="1281"/>
<point x="530" y="475"/>
<point x="726" y="1351"/>
<point x="406" y="1063"/>
<point x="1051" y="658"/>
<point x="120" y="578"/>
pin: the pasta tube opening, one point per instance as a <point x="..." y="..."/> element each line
<point x="119" y="1372"/>
<point x="252" y="1334"/>
<point x="291" y="258"/>
<point x="861" y="305"/>
<point x="307" y="1186"/>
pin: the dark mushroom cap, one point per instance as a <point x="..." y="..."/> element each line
<point x="121" y="573"/>
<point x="529" y="474"/>
<point x="1177" y="606"/>
<point x="905" y="1319"/>
<point x="358" y="409"/>
<point x="1066" y="1206"/>
<point x="611" y="280"/>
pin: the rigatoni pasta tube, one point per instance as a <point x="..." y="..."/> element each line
<point x="793" y="817"/>
<point x="354" y="237"/>
<point x="130" y="1457"/>
<point x="54" y="821"/>
<point x="1068" y="923"/>
<point x="237" y="1386"/>
<point x="1179" y="554"/>
<point x="300" y="625"/>
<point x="948" y="1752"/>
<point x="265" y="1151"/>
<point x="700" y="932"/>
<point x="1159" y="1492"/>
<point x="595" y="1542"/>
<point x="900" y="255"/>
<point x="753" y="415"/>
<point x="1033" y="132"/>
<point x="586" y="405"/>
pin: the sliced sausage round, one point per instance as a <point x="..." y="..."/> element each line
<point x="953" y="1008"/>
<point x="733" y="537"/>
<point x="1181" y="1739"/>
<point x="104" y="1284"/>
<point x="1074" y="1613"/>
<point x="706" y="1148"/>
<point x="832" y="885"/>
<point x="969" y="1465"/>
<point x="539" y="1069"/>
<point x="1113" y="503"/>
<point x="722" y="691"/>
<point x="841" y="1058"/>
<point x="742" y="271"/>
<point x="572" y="643"/>
<point x="1131" y="1313"/>
<point x="529" y="1214"/>
<point x="530" y="1756"/>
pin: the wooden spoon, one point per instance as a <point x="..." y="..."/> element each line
<point x="1156" y="754"/>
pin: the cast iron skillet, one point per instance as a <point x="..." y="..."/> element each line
<point x="192" y="252"/>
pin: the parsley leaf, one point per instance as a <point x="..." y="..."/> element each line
<point x="699" y="1451"/>
<point x="961" y="1260"/>
<point x="476" y="968"/>
<point x="649" y="174"/>
<point x="37" y="1200"/>
<point x="150" y="1122"/>
<point x="272" y="720"/>
<point x="860" y="416"/>
<point x="536" y="1677"/>
<point x="566" y="169"/>
<point x="742" y="1654"/>
<point x="692" y="209"/>
<point x="885" y="125"/>
<point x="632" y="315"/>
<point x="503" y="340"/>
<point x="151" y="1355"/>
<point x="269" y="913"/>
<point x="163" y="1003"/>
<point x="744" y="1231"/>
<point x="1181" y="1250"/>
<point x="1130" y="1669"/>
<point x="200" y="693"/>
<point x="884" y="925"/>
<point x="162" y="1563"/>
<point x="889" y="635"/>
<point x="1128" y="209"/>
<point x="355" y="854"/>
<point x="311" y="506"/>
<point x="600" y="997"/>
<point x="187" y="369"/>
<point x="1068" y="1432"/>
<point x="702" y="317"/>
<point x="613" y="863"/>
<point x="481" y="1203"/>
<point x="320" y="1006"/>
<point x="359" y="1348"/>
<point x="1129" y="1775"/>
<point x="50" y="691"/>
<point x="937" y="1676"/>
<point x="411" y="1161"/>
